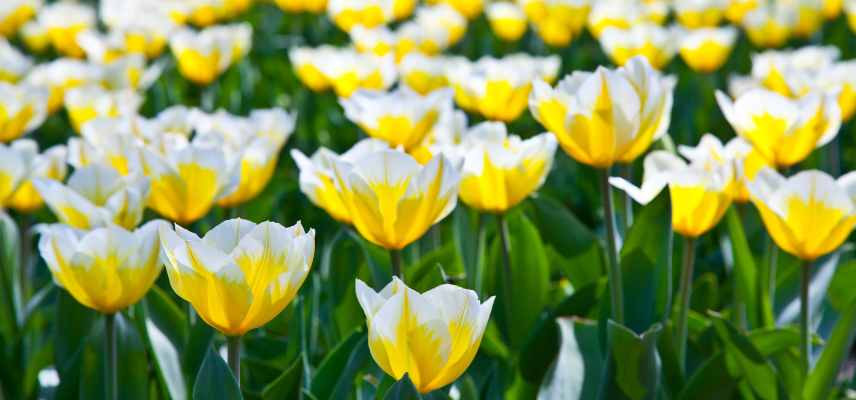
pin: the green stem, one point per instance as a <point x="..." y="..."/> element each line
<point x="627" y="172"/>
<point x="481" y="249"/>
<point x="395" y="259"/>
<point x="110" y="364"/>
<point x="685" y="294"/>
<point x="506" y="264"/>
<point x="805" y="344"/>
<point x="613" y="268"/>
<point x="233" y="349"/>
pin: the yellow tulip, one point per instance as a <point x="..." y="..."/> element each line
<point x="606" y="116"/>
<point x="695" y="14"/>
<point x="129" y="72"/>
<point x="809" y="18"/>
<point x="60" y="76"/>
<point x="15" y="14"/>
<point x="784" y="131"/>
<point x="48" y="165"/>
<point x="13" y="64"/>
<point x="95" y="195"/>
<point x="657" y="44"/>
<point x="557" y="22"/>
<point x="369" y="13"/>
<point x="501" y="170"/>
<point x="425" y="74"/>
<point x="786" y="71"/>
<point x="445" y="17"/>
<point x="468" y="8"/>
<point x="22" y="109"/>
<point x="832" y="8"/>
<point x="35" y="36"/>
<point x="711" y="154"/>
<point x="700" y="192"/>
<point x="841" y="77"/>
<point x="63" y="21"/>
<point x="239" y="275"/>
<point x="507" y="20"/>
<point x="202" y="56"/>
<point x="142" y="27"/>
<point x="624" y="15"/>
<point x="809" y="214"/>
<point x="498" y="88"/>
<point x="769" y="26"/>
<point x="391" y="199"/>
<point x="106" y="269"/>
<point x="344" y="70"/>
<point x="432" y="337"/>
<point x="410" y="37"/>
<point x="707" y="49"/>
<point x="737" y="9"/>
<point x="14" y="168"/>
<point x="86" y="103"/>
<point x="308" y="65"/>
<point x="187" y="180"/>
<point x="401" y="117"/>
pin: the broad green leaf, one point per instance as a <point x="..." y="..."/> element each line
<point x="73" y="324"/>
<point x="822" y="378"/>
<point x="711" y="381"/>
<point x="167" y="360"/>
<point x="287" y="385"/>
<point x="745" y="271"/>
<point x="744" y="361"/>
<point x="841" y="293"/>
<point x="770" y="341"/>
<point x="673" y="376"/>
<point x="132" y="363"/>
<point x="335" y="376"/>
<point x="201" y="337"/>
<point x="215" y="380"/>
<point x="167" y="315"/>
<point x="821" y="276"/>
<point x="9" y="265"/>
<point x="402" y="390"/>
<point x="576" y="373"/>
<point x="634" y="368"/>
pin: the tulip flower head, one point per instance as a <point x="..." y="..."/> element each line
<point x="22" y="108"/>
<point x="107" y="141"/>
<point x="606" y="116"/>
<point x="694" y="14"/>
<point x="809" y="214"/>
<point x="202" y="56"/>
<point x="657" y="44"/>
<point x="51" y="164"/>
<point x="425" y="74"/>
<point x="63" y="22"/>
<point x="735" y="10"/>
<point x="240" y="275"/>
<point x="700" y="192"/>
<point x="86" y="103"/>
<point x="15" y="13"/>
<point x="13" y="64"/>
<point x="432" y="337"/>
<point x="408" y="38"/>
<point x="501" y="170"/>
<point x="401" y="117"/>
<point x="392" y="200"/>
<point x="784" y="131"/>
<point x="14" y="168"/>
<point x="624" y="15"/>
<point x="344" y="70"/>
<point x="445" y="17"/>
<point x="507" y="20"/>
<point x="809" y="17"/>
<point x="707" y="49"/>
<point x="96" y="195"/>
<point x="710" y="153"/>
<point x="60" y="76"/>
<point x="106" y="269"/>
<point x="557" y="22"/>
<point x="468" y="8"/>
<point x="318" y="180"/>
<point x="35" y="36"/>
<point x="769" y="26"/>
<point x="785" y="71"/>
<point x="347" y="14"/>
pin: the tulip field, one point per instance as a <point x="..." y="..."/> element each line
<point x="439" y="199"/>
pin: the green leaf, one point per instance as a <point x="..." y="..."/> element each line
<point x="378" y="261"/>
<point x="822" y="378"/>
<point x="167" y="360"/>
<point x="335" y="376"/>
<point x="633" y="370"/>
<point x="73" y="324"/>
<point x="132" y="363"/>
<point x="821" y="276"/>
<point x="167" y="315"/>
<point x="745" y="270"/>
<point x="201" y="336"/>
<point x="711" y="381"/>
<point x="287" y="385"/>
<point x="745" y="361"/>
<point x="402" y="390"/>
<point x="215" y="380"/>
<point x="576" y="373"/>
<point x="9" y="267"/>
<point x="771" y="341"/>
<point x="645" y="265"/>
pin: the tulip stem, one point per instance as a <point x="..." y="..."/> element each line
<point x="613" y="268"/>
<point x="110" y="364"/>
<point x="233" y="349"/>
<point x="506" y="264"/>
<point x="395" y="259"/>
<point x="805" y="343"/>
<point x="686" y="294"/>
<point x="627" y="173"/>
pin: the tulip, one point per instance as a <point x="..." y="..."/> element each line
<point x="48" y="165"/>
<point x="23" y="108"/>
<point x="841" y="77"/>
<point x="445" y="138"/>
<point x="557" y="22"/>
<point x="711" y="153"/>
<point x="410" y="37"/>
<point x="106" y="269"/>
<point x="425" y="74"/>
<point x="809" y="18"/>
<point x="308" y="64"/>
<point x="655" y="43"/>
<point x="507" y="21"/>
<point x="129" y="72"/>
<point x="832" y="9"/>
<point x="432" y="337"/>
<point x="60" y="76"/>
<point x="106" y="141"/>
<point x="769" y="26"/>
<point x="369" y="13"/>
<point x="14" y="168"/>
<point x="86" y="103"/>
<point x="95" y="195"/>
<point x="392" y="200"/>
<point x="143" y="27"/>
<point x="781" y="71"/>
<point x="784" y="131"/>
<point x="35" y="36"/>
<point x="240" y="275"/>
<point x="401" y="117"/>
<point x="445" y="17"/>
<point x="297" y="6"/>
<point x="63" y="21"/>
<point x="737" y="9"/>
<point x="202" y="56"/>
<point x="342" y="69"/>
<point x="808" y="215"/>
<point x="468" y="8"/>
<point x="498" y="88"/>
<point x="187" y="180"/>
<point x="317" y="179"/>
<point x="695" y="14"/>
<point x="15" y="14"/>
<point x="13" y="64"/>
<point x="707" y="49"/>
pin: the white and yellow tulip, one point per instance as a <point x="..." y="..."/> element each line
<point x="707" y="49"/>
<point x="15" y="165"/>
<point x="13" y="64"/>
<point x="22" y="108"/>
<point x="83" y="104"/>
<point x="51" y="164"/>
<point x="656" y="43"/>
<point x="507" y="20"/>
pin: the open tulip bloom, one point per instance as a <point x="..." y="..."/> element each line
<point x="432" y="337"/>
<point x="48" y="165"/>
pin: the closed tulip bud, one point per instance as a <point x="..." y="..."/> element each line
<point x="507" y="20"/>
<point x="769" y="26"/>
<point x="784" y="131"/>
<point x="106" y="269"/>
<point x="64" y="21"/>
<point x="14" y="168"/>
<point x="47" y="165"/>
<point x="318" y="180"/>
<point x="369" y="13"/>
<point x="694" y="14"/>
<point x="13" y="64"/>
<point x="700" y="193"/>
<point x="501" y="170"/>
<point x="94" y="196"/>
<point x="60" y="76"/>
<point x="392" y="200"/>
<point x="425" y="74"/>
<point x="657" y="44"/>
<point x="188" y="179"/>
<point x="707" y="49"/>
<point x="84" y="104"/>
<point x="22" y="109"/>
<point x="432" y="337"/>
<point x="401" y="117"/>
<point x="710" y="154"/>
<point x="809" y="214"/>
<point x="606" y="116"/>
<point x="15" y="14"/>
<point x="240" y="275"/>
